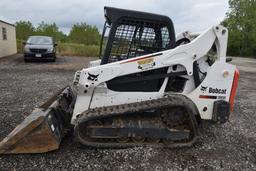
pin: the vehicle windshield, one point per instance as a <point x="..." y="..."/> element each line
<point x="40" y="40"/>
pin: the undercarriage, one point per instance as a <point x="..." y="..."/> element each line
<point x="168" y="122"/>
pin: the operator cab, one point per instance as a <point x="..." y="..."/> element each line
<point x="134" y="33"/>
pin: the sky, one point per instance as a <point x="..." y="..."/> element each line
<point x="191" y="15"/>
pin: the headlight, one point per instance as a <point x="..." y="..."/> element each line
<point x="50" y="49"/>
<point x="26" y="49"/>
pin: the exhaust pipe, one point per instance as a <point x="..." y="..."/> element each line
<point x="44" y="128"/>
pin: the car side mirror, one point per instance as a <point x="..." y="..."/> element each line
<point x="24" y="43"/>
<point x="55" y="44"/>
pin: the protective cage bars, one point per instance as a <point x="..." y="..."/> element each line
<point x="135" y="37"/>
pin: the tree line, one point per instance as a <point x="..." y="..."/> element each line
<point x="241" y="23"/>
<point x="80" y="33"/>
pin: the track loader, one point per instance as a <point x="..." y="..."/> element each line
<point x="149" y="88"/>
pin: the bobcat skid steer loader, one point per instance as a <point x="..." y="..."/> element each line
<point x="147" y="89"/>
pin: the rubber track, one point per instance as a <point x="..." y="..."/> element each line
<point x="172" y="100"/>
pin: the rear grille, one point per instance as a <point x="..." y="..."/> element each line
<point x="38" y="50"/>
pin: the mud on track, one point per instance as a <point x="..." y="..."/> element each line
<point x="24" y="86"/>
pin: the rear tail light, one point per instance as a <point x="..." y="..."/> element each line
<point x="234" y="89"/>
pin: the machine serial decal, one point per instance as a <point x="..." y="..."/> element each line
<point x="146" y="63"/>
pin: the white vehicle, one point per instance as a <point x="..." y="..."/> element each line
<point x="147" y="89"/>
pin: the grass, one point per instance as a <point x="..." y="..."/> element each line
<point x="20" y="46"/>
<point x="70" y="49"/>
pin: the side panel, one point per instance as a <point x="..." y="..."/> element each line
<point x="116" y="98"/>
<point x="216" y="86"/>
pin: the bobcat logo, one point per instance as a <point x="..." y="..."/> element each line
<point x="93" y="77"/>
<point x="203" y="89"/>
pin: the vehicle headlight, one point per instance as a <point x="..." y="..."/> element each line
<point x="50" y="49"/>
<point x="26" y="49"/>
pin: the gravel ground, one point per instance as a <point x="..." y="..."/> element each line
<point x="230" y="146"/>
